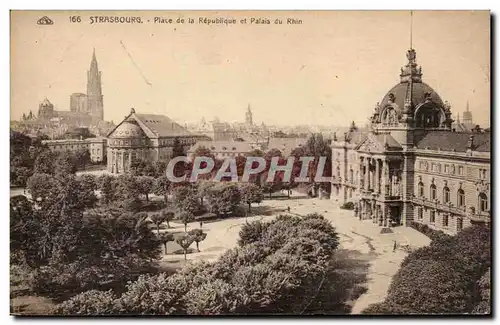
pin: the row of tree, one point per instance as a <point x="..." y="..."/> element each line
<point x="29" y="156"/>
<point x="316" y="146"/>
<point x="450" y="276"/>
<point x="280" y="267"/>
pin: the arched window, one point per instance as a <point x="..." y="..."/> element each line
<point x="446" y="195"/>
<point x="461" y="198"/>
<point x="420" y="189"/>
<point x="433" y="192"/>
<point x="483" y="202"/>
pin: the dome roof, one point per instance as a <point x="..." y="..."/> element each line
<point x="128" y="129"/>
<point x="397" y="95"/>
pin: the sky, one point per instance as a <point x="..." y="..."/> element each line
<point x="329" y="70"/>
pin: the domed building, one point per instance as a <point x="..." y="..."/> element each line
<point x="411" y="166"/>
<point x="146" y="137"/>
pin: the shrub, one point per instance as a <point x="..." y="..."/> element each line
<point x="92" y="302"/>
<point x="283" y="268"/>
<point x="484" y="285"/>
<point x="347" y="206"/>
<point x="428" y="231"/>
<point x="251" y="232"/>
<point x="430" y="287"/>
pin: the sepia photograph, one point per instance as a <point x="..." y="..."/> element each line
<point x="250" y="163"/>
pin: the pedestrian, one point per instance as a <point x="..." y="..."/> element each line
<point x="394" y="247"/>
<point x="288" y="208"/>
<point x="201" y="224"/>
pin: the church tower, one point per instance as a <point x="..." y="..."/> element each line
<point x="94" y="91"/>
<point x="467" y="116"/>
<point x="248" y="116"/>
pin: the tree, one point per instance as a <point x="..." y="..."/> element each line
<point x="484" y="285"/>
<point x="223" y="198"/>
<point x="162" y="186"/>
<point x="160" y="168"/>
<point x="65" y="164"/>
<point x="169" y="215"/>
<point x="185" y="217"/>
<point x="186" y="199"/>
<point x="177" y="149"/>
<point x="203" y="188"/>
<point x="127" y="191"/>
<point x="185" y="240"/>
<point x="165" y="238"/>
<point x="198" y="236"/>
<point x="42" y="186"/>
<point x="157" y="219"/>
<point x="141" y="167"/>
<point x="251" y="193"/>
<point x="434" y="287"/>
<point x="44" y="163"/>
<point x="316" y="146"/>
<point x="106" y="185"/>
<point x="443" y="277"/>
<point x="145" y="185"/>
<point x="82" y="157"/>
<point x="251" y="232"/>
<point x="290" y="278"/>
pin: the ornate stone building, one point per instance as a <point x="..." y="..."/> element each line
<point x="411" y="166"/>
<point x="145" y="136"/>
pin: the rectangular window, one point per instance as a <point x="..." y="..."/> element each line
<point x="420" y="213"/>
<point x="446" y="168"/>
<point x="432" y="218"/>
<point x="445" y="220"/>
<point x="460" y="170"/>
<point x="459" y="224"/>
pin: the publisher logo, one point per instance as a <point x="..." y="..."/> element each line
<point x="45" y="21"/>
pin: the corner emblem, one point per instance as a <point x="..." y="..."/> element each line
<point x="45" y="21"/>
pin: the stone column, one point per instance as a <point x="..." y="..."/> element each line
<point x="377" y="176"/>
<point x="123" y="161"/>
<point x="367" y="173"/>
<point x="129" y="159"/>
<point x="360" y="175"/>
<point x="385" y="176"/>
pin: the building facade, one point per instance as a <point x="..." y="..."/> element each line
<point x="95" y="146"/>
<point x="222" y="149"/>
<point x="146" y="137"/>
<point x="411" y="165"/>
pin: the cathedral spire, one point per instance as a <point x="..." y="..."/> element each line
<point x="94" y="90"/>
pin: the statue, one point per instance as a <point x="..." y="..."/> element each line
<point x="395" y="186"/>
<point x="391" y="116"/>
